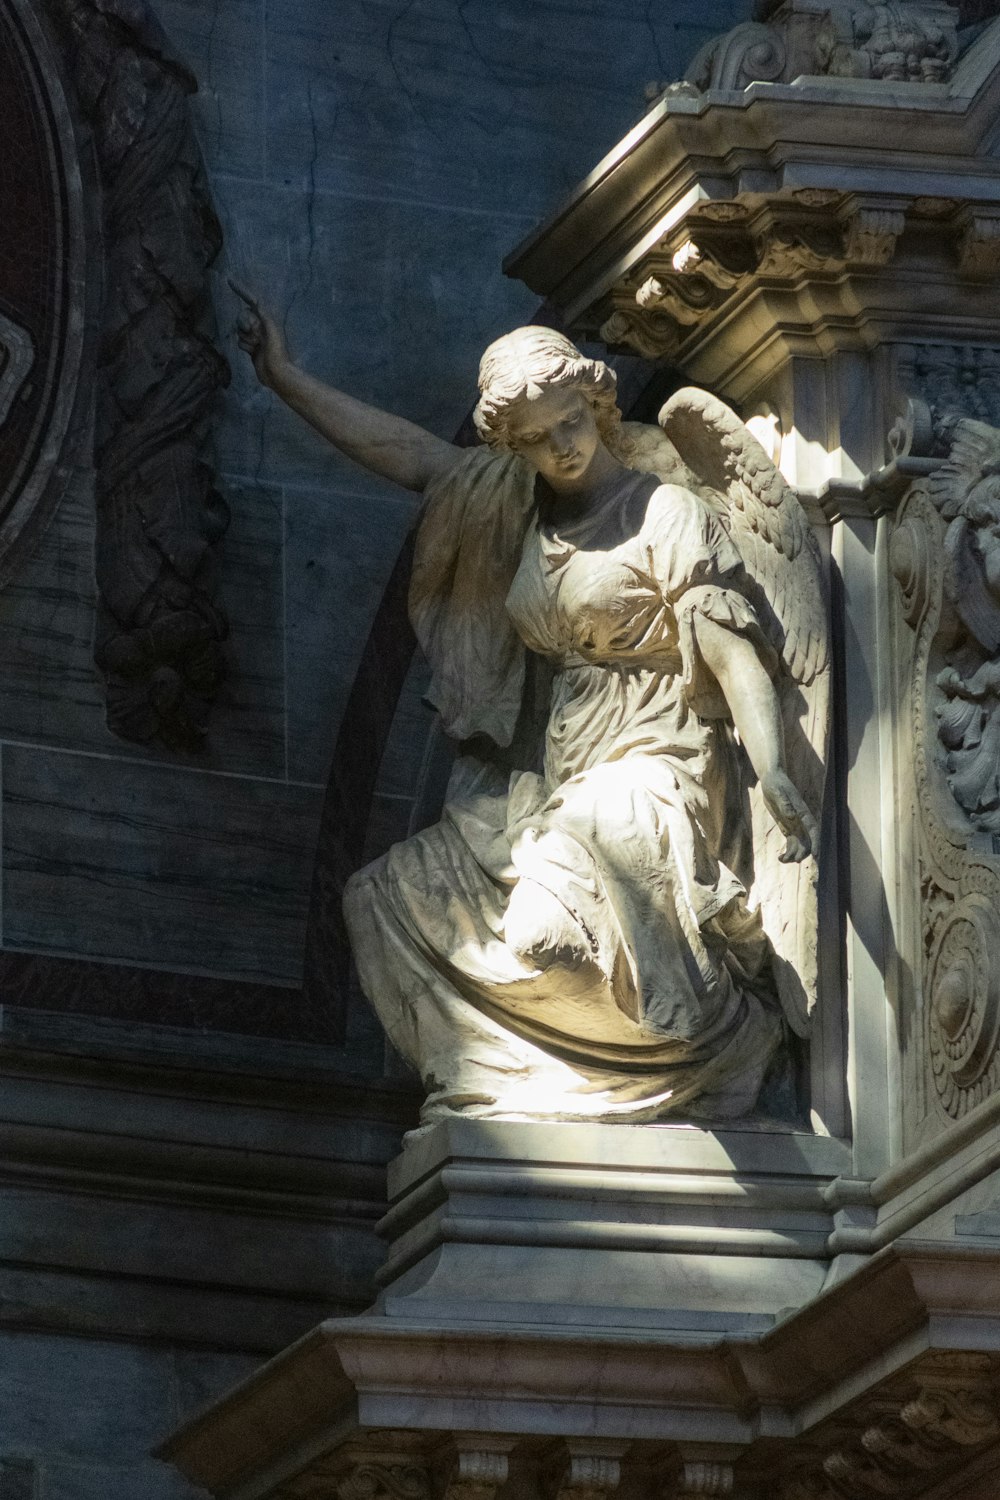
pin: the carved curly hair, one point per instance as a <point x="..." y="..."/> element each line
<point x="532" y="359"/>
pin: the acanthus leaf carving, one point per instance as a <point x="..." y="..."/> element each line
<point x="808" y="233"/>
<point x="979" y="246"/>
<point x="896" y="1446"/>
<point x="966" y="1415"/>
<point x="872" y="234"/>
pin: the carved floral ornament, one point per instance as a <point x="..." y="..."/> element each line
<point x="722" y="250"/>
<point x="945" y="555"/>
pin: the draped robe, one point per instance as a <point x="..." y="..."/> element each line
<point x="577" y="942"/>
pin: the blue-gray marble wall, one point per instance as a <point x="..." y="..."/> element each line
<point x="372" y="161"/>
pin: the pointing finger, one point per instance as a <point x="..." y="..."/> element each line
<point x="244" y="296"/>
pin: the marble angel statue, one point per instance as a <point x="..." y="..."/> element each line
<point x="625" y="927"/>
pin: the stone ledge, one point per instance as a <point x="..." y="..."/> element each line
<point x="897" y="1324"/>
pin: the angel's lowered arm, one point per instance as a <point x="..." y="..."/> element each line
<point x="753" y="703"/>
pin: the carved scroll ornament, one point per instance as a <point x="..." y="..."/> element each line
<point x="900" y="1447"/>
<point x="724" y="249"/>
<point x="911" y="41"/>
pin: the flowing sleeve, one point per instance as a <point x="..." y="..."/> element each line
<point x="700" y="572"/>
<point x="468" y="548"/>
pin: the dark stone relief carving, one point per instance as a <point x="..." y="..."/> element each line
<point x="40" y="284"/>
<point x="160" y="516"/>
<point x="957" y="406"/>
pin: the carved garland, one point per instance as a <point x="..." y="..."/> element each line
<point x="159" y="515"/>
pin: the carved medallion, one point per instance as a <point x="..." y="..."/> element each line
<point x="40" y="285"/>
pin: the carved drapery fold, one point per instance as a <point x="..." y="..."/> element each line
<point x="159" y="514"/>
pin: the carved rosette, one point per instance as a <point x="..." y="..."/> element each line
<point x="964" y="1011"/>
<point x="159" y="514"/>
<point x="937" y="657"/>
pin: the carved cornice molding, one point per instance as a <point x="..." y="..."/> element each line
<point x="735" y="1416"/>
<point x="736" y="230"/>
<point x="720" y="253"/>
<point x="159" y="515"/>
<point x="898" y="1441"/>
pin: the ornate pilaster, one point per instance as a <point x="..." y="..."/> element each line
<point x="943" y="554"/>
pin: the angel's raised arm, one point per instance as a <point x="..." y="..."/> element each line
<point x="380" y="442"/>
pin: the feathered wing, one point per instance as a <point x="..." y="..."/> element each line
<point x="787" y="587"/>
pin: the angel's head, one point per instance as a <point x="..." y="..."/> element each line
<point x="541" y="397"/>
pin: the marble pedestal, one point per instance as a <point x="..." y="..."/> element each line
<point x="669" y="1227"/>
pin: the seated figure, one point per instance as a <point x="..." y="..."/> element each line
<point x="621" y="922"/>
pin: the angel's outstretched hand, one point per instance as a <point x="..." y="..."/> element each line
<point x="788" y="810"/>
<point x="259" y="336"/>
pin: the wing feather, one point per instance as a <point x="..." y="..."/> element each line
<point x="782" y="561"/>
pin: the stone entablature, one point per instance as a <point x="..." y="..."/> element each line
<point x="736" y="230"/>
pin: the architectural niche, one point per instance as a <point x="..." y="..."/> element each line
<point x="159" y="514"/>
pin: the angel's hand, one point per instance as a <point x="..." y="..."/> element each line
<point x="259" y="336"/>
<point x="788" y="810"/>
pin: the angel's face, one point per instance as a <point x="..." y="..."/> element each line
<point x="556" y="431"/>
